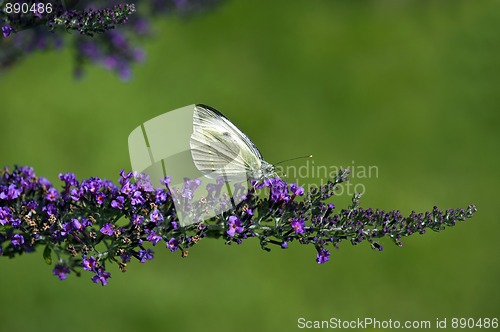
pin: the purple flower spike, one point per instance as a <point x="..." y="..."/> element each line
<point x="77" y="223"/>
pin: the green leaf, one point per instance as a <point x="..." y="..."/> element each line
<point x="47" y="255"/>
<point x="5" y="228"/>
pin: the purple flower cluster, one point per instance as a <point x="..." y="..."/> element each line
<point x="113" y="49"/>
<point x="82" y="223"/>
<point x="90" y="21"/>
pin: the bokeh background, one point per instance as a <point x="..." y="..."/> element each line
<point x="409" y="86"/>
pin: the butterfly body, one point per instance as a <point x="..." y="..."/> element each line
<point x="220" y="149"/>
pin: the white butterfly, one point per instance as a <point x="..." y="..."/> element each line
<point x="220" y="149"/>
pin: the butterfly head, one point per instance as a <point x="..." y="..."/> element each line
<point x="266" y="171"/>
<point x="267" y="168"/>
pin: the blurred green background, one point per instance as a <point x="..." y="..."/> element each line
<point x="411" y="87"/>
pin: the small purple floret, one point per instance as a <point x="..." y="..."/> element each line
<point x="296" y="189"/>
<point x="17" y="240"/>
<point x="173" y="244"/>
<point x="234" y="226"/>
<point x="146" y="255"/>
<point x="153" y="237"/>
<point x="7" y="30"/>
<point x="156" y="217"/>
<point x="101" y="277"/>
<point x="298" y="226"/>
<point x="323" y="256"/>
<point x="89" y="264"/>
<point x="108" y="229"/>
<point x="61" y="271"/>
<point x="117" y="203"/>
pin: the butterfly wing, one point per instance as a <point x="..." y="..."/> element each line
<point x="219" y="148"/>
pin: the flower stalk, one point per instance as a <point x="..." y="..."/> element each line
<point x="89" y="223"/>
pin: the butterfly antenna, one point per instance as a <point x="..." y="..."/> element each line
<point x="302" y="157"/>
